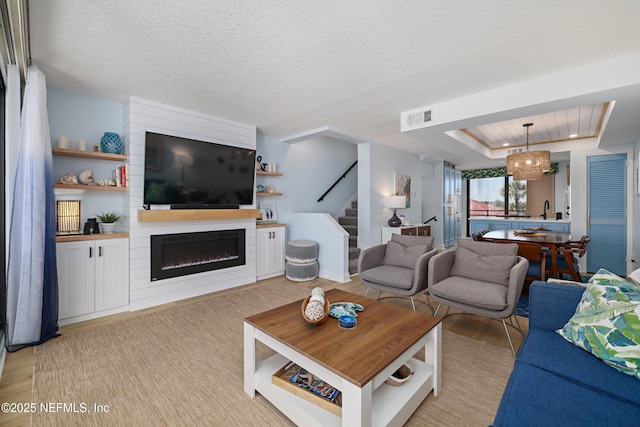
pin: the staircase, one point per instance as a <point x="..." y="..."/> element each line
<point x="350" y="223"/>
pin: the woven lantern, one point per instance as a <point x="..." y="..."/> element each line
<point x="528" y="165"/>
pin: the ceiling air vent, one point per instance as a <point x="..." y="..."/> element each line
<point x="419" y="118"/>
<point x="416" y="119"/>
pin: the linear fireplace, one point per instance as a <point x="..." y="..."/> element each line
<point x="174" y="255"/>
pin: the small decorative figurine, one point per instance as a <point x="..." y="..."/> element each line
<point x="106" y="182"/>
<point x="69" y="178"/>
<point x="85" y="177"/>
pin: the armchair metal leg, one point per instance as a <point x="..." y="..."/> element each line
<point x="435" y="312"/>
<point x="366" y="292"/>
<point x="518" y="325"/>
<point x="509" y="337"/>
<point x="426" y="294"/>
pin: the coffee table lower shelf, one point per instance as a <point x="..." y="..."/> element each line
<point x="388" y="402"/>
<point x="281" y="379"/>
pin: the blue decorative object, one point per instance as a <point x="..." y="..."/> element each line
<point x="346" y="321"/>
<point x="338" y="309"/>
<point x="111" y="143"/>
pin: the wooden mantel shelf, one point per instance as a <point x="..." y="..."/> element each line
<point x="196" y="214"/>
<point x="81" y="237"/>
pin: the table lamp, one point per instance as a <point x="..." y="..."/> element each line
<point x="68" y="217"/>
<point x="396" y="202"/>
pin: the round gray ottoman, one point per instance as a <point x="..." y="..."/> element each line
<point x="301" y="272"/>
<point x="301" y="260"/>
<point x="301" y="251"/>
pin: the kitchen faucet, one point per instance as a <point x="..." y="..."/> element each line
<point x="546" y="206"/>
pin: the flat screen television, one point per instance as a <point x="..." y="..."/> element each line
<point x="186" y="173"/>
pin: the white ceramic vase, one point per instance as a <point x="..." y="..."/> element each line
<point x="107" y="227"/>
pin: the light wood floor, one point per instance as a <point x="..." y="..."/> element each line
<point x="17" y="378"/>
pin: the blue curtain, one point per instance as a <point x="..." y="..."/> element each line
<point x="32" y="277"/>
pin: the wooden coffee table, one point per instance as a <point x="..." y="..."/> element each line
<point x="357" y="361"/>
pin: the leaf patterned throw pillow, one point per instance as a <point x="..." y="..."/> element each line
<point x="607" y="322"/>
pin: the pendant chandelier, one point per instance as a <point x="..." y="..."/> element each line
<point x="528" y="165"/>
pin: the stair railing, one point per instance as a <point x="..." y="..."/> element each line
<point x="337" y="181"/>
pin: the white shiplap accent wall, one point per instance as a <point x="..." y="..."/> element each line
<point x="141" y="115"/>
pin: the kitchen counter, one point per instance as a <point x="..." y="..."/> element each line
<point x="515" y="223"/>
<point x="521" y="219"/>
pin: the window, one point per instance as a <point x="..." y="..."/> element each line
<point x="497" y="196"/>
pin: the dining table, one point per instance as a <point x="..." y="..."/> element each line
<point x="546" y="238"/>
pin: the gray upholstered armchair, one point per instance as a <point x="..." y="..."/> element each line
<point x="481" y="278"/>
<point x="398" y="267"/>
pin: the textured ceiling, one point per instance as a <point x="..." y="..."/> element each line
<point x="291" y="66"/>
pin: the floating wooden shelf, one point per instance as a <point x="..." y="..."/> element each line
<point x="267" y="194"/>
<point x="268" y="173"/>
<point x="80" y="237"/>
<point x="196" y="214"/>
<point x="88" y="154"/>
<point x="90" y="187"/>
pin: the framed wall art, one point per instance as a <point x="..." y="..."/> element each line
<point x="402" y="187"/>
<point x="268" y="213"/>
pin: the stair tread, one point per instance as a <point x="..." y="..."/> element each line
<point x="353" y="266"/>
<point x="350" y="223"/>
<point x="348" y="220"/>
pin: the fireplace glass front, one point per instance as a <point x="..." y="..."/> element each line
<point x="174" y="255"/>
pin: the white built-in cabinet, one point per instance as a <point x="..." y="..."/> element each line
<point x="270" y="251"/>
<point x="93" y="278"/>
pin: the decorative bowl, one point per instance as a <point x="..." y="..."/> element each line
<point x="111" y="143"/>
<point x="322" y="319"/>
<point x="400" y="376"/>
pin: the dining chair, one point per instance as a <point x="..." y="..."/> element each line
<point x="477" y="236"/>
<point x="537" y="257"/>
<point x="567" y="258"/>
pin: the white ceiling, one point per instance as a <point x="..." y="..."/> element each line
<point x="292" y="66"/>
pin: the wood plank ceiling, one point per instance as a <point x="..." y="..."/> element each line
<point x="571" y="124"/>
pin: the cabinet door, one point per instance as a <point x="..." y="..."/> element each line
<point x="278" y="249"/>
<point x="408" y="231"/>
<point x="500" y="225"/>
<point x="475" y="226"/>
<point x="112" y="273"/>
<point x="424" y="230"/>
<point x="263" y="248"/>
<point x="75" y="261"/>
<point x="452" y="192"/>
<point x="559" y="227"/>
<point x="270" y="250"/>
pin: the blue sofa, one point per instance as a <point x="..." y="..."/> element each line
<point x="555" y="383"/>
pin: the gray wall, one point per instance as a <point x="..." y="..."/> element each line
<point x="377" y="165"/>
<point x="85" y="117"/>
<point x="309" y="168"/>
